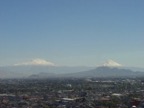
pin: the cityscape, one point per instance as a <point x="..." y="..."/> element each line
<point x="72" y="93"/>
<point x="71" y="54"/>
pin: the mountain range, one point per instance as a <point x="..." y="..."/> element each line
<point x="107" y="72"/>
<point x="43" y="69"/>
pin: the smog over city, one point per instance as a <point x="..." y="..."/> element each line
<point x="71" y="54"/>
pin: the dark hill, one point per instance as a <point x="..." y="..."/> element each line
<point x="107" y="72"/>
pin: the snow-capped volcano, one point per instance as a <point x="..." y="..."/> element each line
<point x="111" y="63"/>
<point x="36" y="62"/>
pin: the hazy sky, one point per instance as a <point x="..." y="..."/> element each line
<point x="72" y="32"/>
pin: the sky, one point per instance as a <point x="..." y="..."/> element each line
<point x="72" y="32"/>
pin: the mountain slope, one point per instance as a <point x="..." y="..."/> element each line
<point x="23" y="71"/>
<point x="107" y="72"/>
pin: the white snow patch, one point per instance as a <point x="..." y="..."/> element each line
<point x="111" y="63"/>
<point x="36" y="62"/>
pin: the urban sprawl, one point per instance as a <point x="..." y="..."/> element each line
<point x="72" y="93"/>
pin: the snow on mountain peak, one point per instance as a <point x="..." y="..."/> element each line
<point x="111" y="63"/>
<point x="36" y="62"/>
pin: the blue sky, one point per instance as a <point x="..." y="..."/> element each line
<point x="72" y="32"/>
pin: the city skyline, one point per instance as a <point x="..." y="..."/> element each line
<point x="72" y="33"/>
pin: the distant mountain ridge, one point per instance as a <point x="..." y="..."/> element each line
<point x="39" y="68"/>
<point x="24" y="71"/>
<point x="104" y="71"/>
